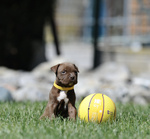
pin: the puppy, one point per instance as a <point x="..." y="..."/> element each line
<point x="62" y="96"/>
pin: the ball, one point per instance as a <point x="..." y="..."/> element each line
<point x="97" y="107"/>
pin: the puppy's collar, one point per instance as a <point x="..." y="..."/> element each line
<point x="63" y="88"/>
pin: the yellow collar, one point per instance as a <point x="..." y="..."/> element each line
<point x="63" y="88"/>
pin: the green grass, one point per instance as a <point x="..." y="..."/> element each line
<point x="21" y="120"/>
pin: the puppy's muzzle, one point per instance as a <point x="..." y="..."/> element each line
<point x="72" y="78"/>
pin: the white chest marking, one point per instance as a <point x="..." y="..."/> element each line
<point x="63" y="96"/>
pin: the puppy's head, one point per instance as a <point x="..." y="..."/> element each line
<point x="66" y="74"/>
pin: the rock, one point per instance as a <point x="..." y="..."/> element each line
<point x="110" y="79"/>
<point x="112" y="72"/>
<point x="5" y="71"/>
<point x="28" y="93"/>
<point x="139" y="100"/>
<point x="37" y="92"/>
<point x="8" y="76"/>
<point x="116" y="91"/>
<point x="87" y="84"/>
<point x="137" y="91"/>
<point x="25" y="79"/>
<point x="141" y="81"/>
<point x="10" y="87"/>
<point x="5" y="95"/>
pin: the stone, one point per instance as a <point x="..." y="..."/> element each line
<point x="5" y="95"/>
<point x="25" y="79"/>
<point x="91" y="82"/>
<point x="116" y="91"/>
<point x="141" y="81"/>
<point x="137" y="91"/>
<point x="112" y="72"/>
<point x="10" y="87"/>
<point x="110" y="78"/>
<point x="28" y="93"/>
<point x="139" y="100"/>
<point x="34" y="92"/>
<point x="87" y="84"/>
<point x="8" y="76"/>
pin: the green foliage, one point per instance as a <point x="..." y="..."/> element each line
<point x="21" y="120"/>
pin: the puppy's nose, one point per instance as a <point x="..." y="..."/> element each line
<point x="72" y="78"/>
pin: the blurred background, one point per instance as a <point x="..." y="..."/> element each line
<point x="88" y="33"/>
<point x="123" y="30"/>
<point x="96" y="31"/>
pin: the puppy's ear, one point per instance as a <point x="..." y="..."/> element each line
<point x="76" y="68"/>
<point x="55" y="68"/>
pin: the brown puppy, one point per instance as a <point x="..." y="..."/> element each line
<point x="62" y="96"/>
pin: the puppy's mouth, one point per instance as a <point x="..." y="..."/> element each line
<point x="67" y="84"/>
<point x="72" y="83"/>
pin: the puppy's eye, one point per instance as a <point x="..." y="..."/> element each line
<point x="76" y="72"/>
<point x="63" y="72"/>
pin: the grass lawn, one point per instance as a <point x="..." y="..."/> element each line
<point x="21" y="120"/>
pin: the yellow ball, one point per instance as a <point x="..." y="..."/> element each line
<point x="97" y="107"/>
